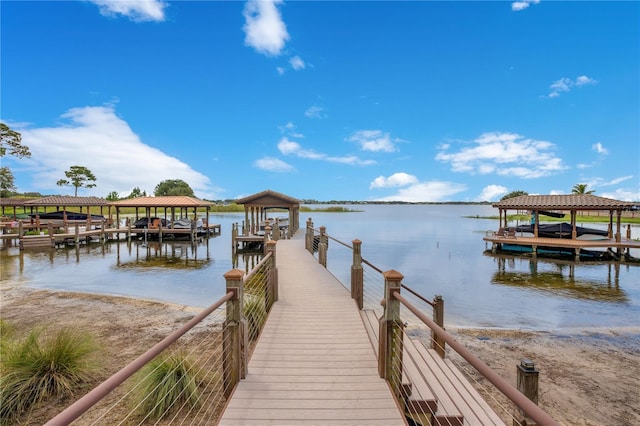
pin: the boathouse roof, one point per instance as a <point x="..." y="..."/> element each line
<point x="14" y="201"/>
<point x="66" y="201"/>
<point x="165" y="201"/>
<point x="269" y="198"/>
<point x="565" y="202"/>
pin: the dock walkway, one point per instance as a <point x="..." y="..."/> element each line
<point x="313" y="363"/>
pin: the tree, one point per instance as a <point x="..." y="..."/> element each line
<point x="79" y="177"/>
<point x="173" y="187"/>
<point x="136" y="192"/>
<point x="12" y="141"/>
<point x="7" y="182"/>
<point x="581" y="188"/>
<point x="513" y="194"/>
<point x="112" y="196"/>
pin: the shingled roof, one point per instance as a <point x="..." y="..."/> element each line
<point x="68" y="201"/>
<point x="168" y="201"/>
<point x="564" y="202"/>
<point x="269" y="198"/>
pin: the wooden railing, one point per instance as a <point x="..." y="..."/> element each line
<point x="212" y="349"/>
<point x="401" y="348"/>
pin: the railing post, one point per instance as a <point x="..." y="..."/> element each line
<point x="276" y="229"/>
<point x="391" y="334"/>
<point x="267" y="237"/>
<point x="357" y="276"/>
<point x="272" y="277"/>
<point x="322" y="246"/>
<point x="528" y="386"/>
<point x="437" y="342"/>
<point x="234" y="337"/>
<point x="309" y="236"/>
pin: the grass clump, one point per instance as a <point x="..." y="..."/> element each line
<point x="165" y="385"/>
<point x="43" y="366"/>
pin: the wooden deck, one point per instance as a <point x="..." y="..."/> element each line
<point x="313" y="363"/>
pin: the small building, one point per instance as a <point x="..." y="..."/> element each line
<point x="170" y="208"/>
<point x="257" y="205"/>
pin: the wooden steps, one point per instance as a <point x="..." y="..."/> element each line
<point x="35" y="241"/>
<point x="435" y="391"/>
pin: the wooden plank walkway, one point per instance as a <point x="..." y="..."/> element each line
<point x="313" y="363"/>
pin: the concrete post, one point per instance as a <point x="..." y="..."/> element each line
<point x="357" y="275"/>
<point x="235" y="339"/>
<point x="437" y="343"/>
<point x="391" y="334"/>
<point x="527" y="383"/>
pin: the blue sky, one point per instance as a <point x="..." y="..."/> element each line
<point x="411" y="101"/>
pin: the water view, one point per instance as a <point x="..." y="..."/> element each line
<point x="438" y="248"/>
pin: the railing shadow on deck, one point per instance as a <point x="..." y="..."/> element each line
<point x="189" y="375"/>
<point x="412" y="348"/>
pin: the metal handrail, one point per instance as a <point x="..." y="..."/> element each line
<point x="339" y="242"/>
<point x="530" y="409"/>
<point x="419" y="296"/>
<point x="76" y="409"/>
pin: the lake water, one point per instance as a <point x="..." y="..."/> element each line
<point x="436" y="249"/>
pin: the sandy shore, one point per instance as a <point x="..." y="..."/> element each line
<point x="587" y="377"/>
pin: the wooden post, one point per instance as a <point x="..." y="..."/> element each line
<point x="77" y="234"/>
<point x="272" y="277"/>
<point x="391" y="334"/>
<point x="309" y="236"/>
<point x="437" y="342"/>
<point x="267" y="235"/>
<point x="527" y="384"/>
<point x="276" y="230"/>
<point x="357" y="276"/>
<point x="234" y="340"/>
<point x="51" y="234"/>
<point x="322" y="247"/>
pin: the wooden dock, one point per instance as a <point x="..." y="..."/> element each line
<point x="313" y="363"/>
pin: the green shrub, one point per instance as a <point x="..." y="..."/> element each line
<point x="42" y="366"/>
<point x="165" y="384"/>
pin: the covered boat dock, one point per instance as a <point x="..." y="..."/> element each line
<point x="568" y="237"/>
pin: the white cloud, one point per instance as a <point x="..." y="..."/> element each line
<point x="264" y="28"/>
<point x="95" y="137"/>
<point x="491" y="192"/>
<point x="565" y="84"/>
<point x="373" y="140"/>
<point x="433" y="191"/>
<point x="297" y="63"/>
<point x="521" y="5"/>
<point x="280" y="70"/>
<point x="289" y="147"/>
<point x="315" y="112"/>
<point x="395" y="180"/>
<point x="505" y="154"/>
<point x="597" y="147"/>
<point x="136" y="10"/>
<point x="623" y="194"/>
<point x="271" y="164"/>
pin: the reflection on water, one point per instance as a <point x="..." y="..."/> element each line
<point x="168" y="254"/>
<point x="438" y="248"/>
<point x="558" y="278"/>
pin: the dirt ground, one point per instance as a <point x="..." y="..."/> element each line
<point x="587" y="377"/>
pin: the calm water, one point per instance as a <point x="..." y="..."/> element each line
<point x="434" y="247"/>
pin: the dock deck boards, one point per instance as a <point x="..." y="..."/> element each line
<point x="313" y="363"/>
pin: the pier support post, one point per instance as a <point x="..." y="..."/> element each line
<point x="437" y="342"/>
<point x="308" y="241"/>
<point x="322" y="246"/>
<point x="527" y="384"/>
<point x="271" y="293"/>
<point x="234" y="339"/>
<point x="357" y="276"/>
<point x="391" y="334"/>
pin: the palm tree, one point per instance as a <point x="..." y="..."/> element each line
<point x="581" y="188"/>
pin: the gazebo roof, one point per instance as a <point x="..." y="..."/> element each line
<point x="269" y="198"/>
<point x="66" y="201"/>
<point x="168" y="201"/>
<point x="565" y="202"/>
<point x="14" y="201"/>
